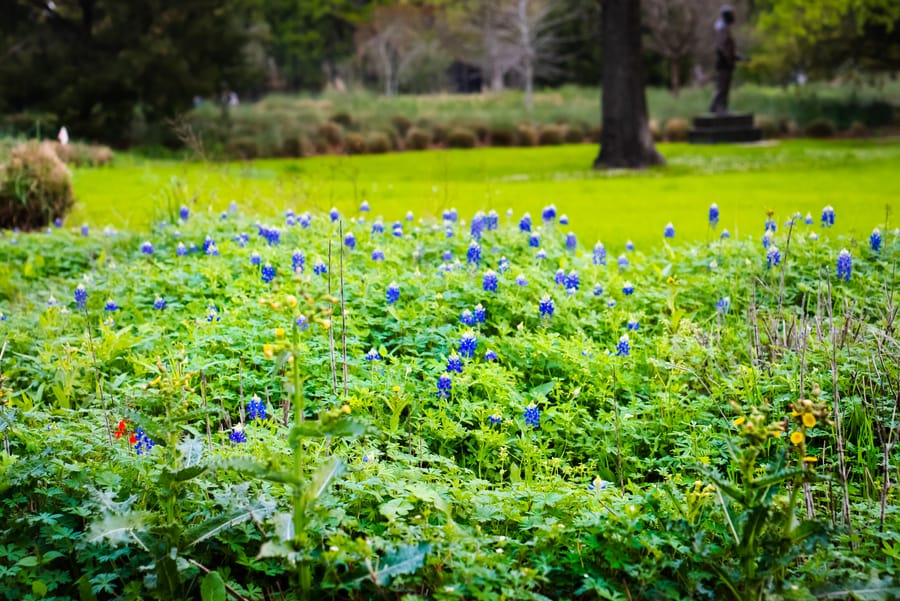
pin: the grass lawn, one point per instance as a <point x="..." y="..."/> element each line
<point x="858" y="178"/>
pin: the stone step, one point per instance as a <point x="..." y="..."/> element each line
<point x="719" y="135"/>
<point x="727" y="121"/>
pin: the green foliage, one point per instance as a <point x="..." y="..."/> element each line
<point x="461" y="138"/>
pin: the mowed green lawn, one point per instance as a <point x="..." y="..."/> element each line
<point x="858" y="178"/>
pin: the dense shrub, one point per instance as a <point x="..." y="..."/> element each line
<point x="767" y="125"/>
<point x="655" y="131"/>
<point x="243" y="148"/>
<point x="78" y="154"/>
<point x="596" y="134"/>
<point x="502" y="135"/>
<point x="329" y="133"/>
<point x="552" y="135"/>
<point x="296" y="145"/>
<point x="857" y="130"/>
<point x="354" y="143"/>
<point x="461" y="138"/>
<point x="819" y="128"/>
<point x="677" y="129"/>
<point x="378" y="143"/>
<point x="401" y="124"/>
<point x="417" y="139"/>
<point x="526" y="135"/>
<point x="439" y="134"/>
<point x="35" y="187"/>
<point x="343" y="119"/>
<point x="575" y="134"/>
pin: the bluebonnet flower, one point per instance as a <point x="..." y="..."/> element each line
<point x="725" y="235"/>
<point x="473" y="255"/>
<point x="627" y="288"/>
<point x="489" y="283"/>
<point x="289" y="221"/>
<point x="373" y="355"/>
<point x="622" y="262"/>
<point x="110" y="305"/>
<point x="477" y="225"/>
<point x="479" y="313"/>
<point x="289" y="213"/>
<point x="773" y="257"/>
<point x="409" y="216"/>
<point x="147" y="248"/>
<point x="454" y="363"/>
<point x="875" y="240"/>
<point x="2" y="316"/>
<point x="233" y="207"/>
<point x="298" y="261"/>
<point x="571" y="241"/>
<point x="828" y="216"/>
<point x="444" y="386"/>
<point x="256" y="408"/>
<point x="334" y="214"/>
<point x="564" y="219"/>
<point x="237" y="435"/>
<point x="546" y="306"/>
<point x="364" y="206"/>
<point x="560" y="277"/>
<point x="212" y="250"/>
<point x="184" y="213"/>
<point x="467" y="318"/>
<point x="159" y="303"/>
<point x="629" y="246"/>
<point x="713" y="265"/>
<point x="350" y="240"/>
<point x="723" y="305"/>
<point x="540" y="254"/>
<point x="503" y="265"/>
<point x="525" y="223"/>
<point x="633" y="325"/>
<point x="534" y="241"/>
<point x="52" y="302"/>
<point x="181" y="250"/>
<point x="713" y="215"/>
<point x="549" y="213"/>
<point x="599" y="255"/>
<point x="397" y="230"/>
<point x="377" y="255"/>
<point x="521" y="280"/>
<point x="572" y="280"/>
<point x="467" y="345"/>
<point x="319" y="268"/>
<point x="451" y="215"/>
<point x="393" y="293"/>
<point x="255" y="259"/>
<point x="598" y="290"/>
<point x="623" y="349"/>
<point x="532" y="416"/>
<point x="80" y="296"/>
<point x="770" y="225"/>
<point x="611" y="303"/>
<point x="495" y="419"/>
<point x="767" y="239"/>
<point x="142" y="443"/>
<point x="448" y="255"/>
<point x="492" y="221"/>
<point x="207" y="242"/>
<point x="813" y="236"/>
<point x="304" y="220"/>
<point x="844" y="265"/>
<point x="301" y="322"/>
<point x="599" y="483"/>
<point x="448" y="231"/>
<point x="85" y="230"/>
<point x="267" y="273"/>
<point x="490" y="356"/>
<point x="212" y="314"/>
<point x="808" y="220"/>
<point x="58" y="222"/>
<point x="241" y="240"/>
<point x="669" y="231"/>
<point x="378" y="227"/>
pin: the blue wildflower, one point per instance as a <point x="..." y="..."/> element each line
<point x="622" y="261"/>
<point x="503" y="265"/>
<point x="378" y="255"/>
<point x="301" y="322"/>
<point x="572" y="280"/>
<point x="256" y="408"/>
<point x="184" y="213"/>
<point x="599" y="483"/>
<point x="110" y="305"/>
<point x="571" y="241"/>
<point x="725" y="235"/>
<point x="713" y="215"/>
<point x="159" y="303"/>
<point x="373" y="355"/>
<point x="255" y="259"/>
<point x="467" y="345"/>
<point x="298" y="261"/>
<point x="289" y="221"/>
<point x="490" y="356"/>
<point x="773" y="257"/>
<point x="409" y="216"/>
<point x="525" y="223"/>
<point x="549" y="213"/>
<point x="627" y="288"/>
<point x="490" y="281"/>
<point x="334" y="214"/>
<point x="181" y="250"/>
<point x="378" y="227"/>
<point x="241" y="240"/>
<point x="770" y="225"/>
<point x="599" y="255"/>
<point x="448" y="231"/>
<point x="521" y="280"/>
<point x="492" y="221"/>
<point x="350" y="240"/>
<point x="267" y="273"/>
<point x="479" y="313"/>
<point x="444" y="386"/>
<point x="364" y="206"/>
<point x="808" y="220"/>
<point x="237" y="435"/>
<point x="828" y="216"/>
<point x="473" y="254"/>
<point x="304" y="220"/>
<point x="85" y="230"/>
<point x="319" y="267"/>
<point x="212" y="250"/>
<point x="560" y="278"/>
<point x="451" y="215"/>
<point x="540" y="254"/>
<point x="534" y="241"/>
<point x="598" y="290"/>
<point x="393" y="293"/>
<point x="623" y="349"/>
<point x="629" y="246"/>
<point x="875" y="240"/>
<point x="669" y="231"/>
<point x="454" y="363"/>
<point x="477" y="225"/>
<point x="564" y="219"/>
<point x="767" y="239"/>
<point x="532" y="416"/>
<point x="212" y="314"/>
<point x="723" y="305"/>
<point x="467" y="318"/>
<point x="546" y="306"/>
<point x="633" y="325"/>
<point x="844" y="265"/>
<point x="80" y="296"/>
<point x="147" y="248"/>
<point x="495" y="419"/>
<point x="142" y="443"/>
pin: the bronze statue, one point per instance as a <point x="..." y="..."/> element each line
<point x="726" y="57"/>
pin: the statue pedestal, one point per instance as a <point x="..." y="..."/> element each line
<point x="724" y="129"/>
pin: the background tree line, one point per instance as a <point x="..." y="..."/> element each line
<point x="107" y="69"/>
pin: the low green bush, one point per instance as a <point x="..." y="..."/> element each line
<point x="501" y="135"/>
<point x="417" y="139"/>
<point x="35" y="187"/>
<point x="768" y="126"/>
<point x="526" y="135"/>
<point x="552" y="135"/>
<point x="401" y="124"/>
<point x="354" y="143"/>
<point x="378" y="143"/>
<point x="329" y="134"/>
<point x="819" y="128"/>
<point x="460" y="137"/>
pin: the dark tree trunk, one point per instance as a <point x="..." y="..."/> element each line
<point x="626" y="141"/>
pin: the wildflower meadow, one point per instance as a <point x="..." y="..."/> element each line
<point x="350" y="405"/>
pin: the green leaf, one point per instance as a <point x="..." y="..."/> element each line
<point x="85" y="591"/>
<point x="341" y="427"/>
<point x="116" y="528"/>
<point x="543" y="390"/>
<point x="220" y="523"/>
<point x="248" y="466"/>
<point x="39" y="588"/>
<point x="405" y="560"/>
<point x="212" y="588"/>
<point x="322" y="478"/>
<point x="28" y="562"/>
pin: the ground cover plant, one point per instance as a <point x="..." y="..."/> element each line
<point x="745" y="181"/>
<point x="339" y="405"/>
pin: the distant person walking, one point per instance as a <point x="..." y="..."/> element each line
<point x="726" y="57"/>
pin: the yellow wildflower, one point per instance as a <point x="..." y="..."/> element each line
<point x="809" y="420"/>
<point x="279" y="332"/>
<point x="291" y="300"/>
<point x="809" y="459"/>
<point x="268" y="351"/>
<point x="346" y="409"/>
<point x="797" y="437"/>
<point x="739" y="421"/>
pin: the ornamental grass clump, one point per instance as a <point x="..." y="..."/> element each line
<point x="35" y="187"/>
